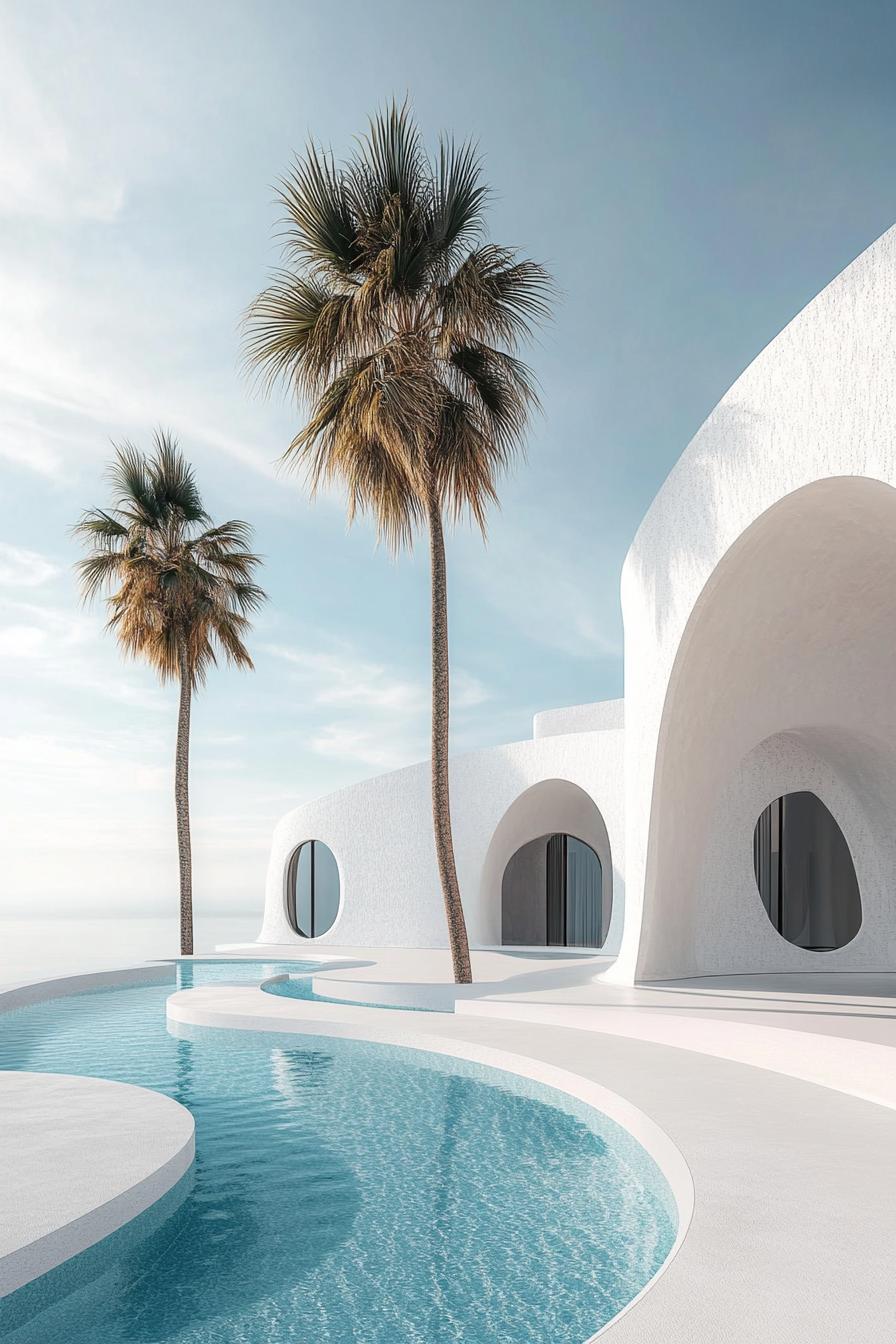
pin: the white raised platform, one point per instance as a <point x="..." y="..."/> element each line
<point x="81" y="1157"/>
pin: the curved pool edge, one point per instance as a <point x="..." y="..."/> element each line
<point x="24" y="993"/>
<point x="92" y="1155"/>
<point x="196" y="1008"/>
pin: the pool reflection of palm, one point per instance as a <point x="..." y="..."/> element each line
<point x="223" y="1251"/>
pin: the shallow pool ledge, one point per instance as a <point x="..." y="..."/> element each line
<point x="83" y="1156"/>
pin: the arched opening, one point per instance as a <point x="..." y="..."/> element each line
<point x="805" y="874"/>
<point x="548" y="878"/>
<point x="552" y="895"/>
<point x="312" y="889"/>
<point x="782" y="683"/>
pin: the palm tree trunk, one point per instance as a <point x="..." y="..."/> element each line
<point x="441" y="808"/>
<point x="182" y="805"/>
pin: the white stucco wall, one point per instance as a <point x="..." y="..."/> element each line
<point x="381" y="834"/>
<point x="727" y="898"/>
<point x="753" y="605"/>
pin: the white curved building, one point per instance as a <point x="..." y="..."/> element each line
<point x="737" y="812"/>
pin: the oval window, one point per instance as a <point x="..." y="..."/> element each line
<point x="312" y="889"/>
<point x="805" y="874"/>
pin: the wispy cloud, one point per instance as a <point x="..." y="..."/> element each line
<point x="45" y="172"/>
<point x="538" y="575"/>
<point x="69" y="650"/>
<point x="21" y="568"/>
<point x="343" y="678"/>
<point x="380" y="717"/>
<point x="25" y="443"/>
<point x="368" y="746"/>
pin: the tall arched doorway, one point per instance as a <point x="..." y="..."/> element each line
<point x="548" y="878"/>
<point x="551" y="894"/>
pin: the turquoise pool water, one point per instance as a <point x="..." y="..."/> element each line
<point x="343" y="1193"/>
<point x="299" y="987"/>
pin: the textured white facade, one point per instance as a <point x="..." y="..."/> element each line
<point x="759" y="602"/>
<point x="381" y="834"/>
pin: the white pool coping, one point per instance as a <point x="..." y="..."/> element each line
<point x="81" y="1158"/>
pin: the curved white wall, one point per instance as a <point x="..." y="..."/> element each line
<point x="381" y="834"/>
<point x="727" y="643"/>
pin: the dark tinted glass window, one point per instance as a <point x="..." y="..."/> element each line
<point x="312" y="889"/>
<point x="552" y="895"/>
<point x="805" y="874"/>
<point x="583" y="895"/>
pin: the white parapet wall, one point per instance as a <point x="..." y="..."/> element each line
<point x="596" y="718"/>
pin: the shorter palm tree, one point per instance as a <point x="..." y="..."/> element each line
<point x="180" y="592"/>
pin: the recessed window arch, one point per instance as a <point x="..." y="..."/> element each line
<point x="805" y="874"/>
<point x="312" y="889"/>
<point x="552" y="895"/>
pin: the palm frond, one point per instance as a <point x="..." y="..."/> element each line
<point x="234" y="533"/>
<point x="172" y="481"/>
<point x="228" y="629"/>
<point x="501" y="388"/>
<point x="390" y="167"/>
<point x="97" y="571"/>
<point x="246" y="597"/>
<point x="493" y="297"/>
<point x="296" y="330"/>
<point x="132" y="486"/>
<point x="459" y="196"/>
<point x="466" y="464"/>
<point x="100" y="528"/>
<point x="319" y="231"/>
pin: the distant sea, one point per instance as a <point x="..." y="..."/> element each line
<point x="31" y="949"/>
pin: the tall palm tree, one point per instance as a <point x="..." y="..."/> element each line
<point x="180" y="592"/>
<point x="399" y="323"/>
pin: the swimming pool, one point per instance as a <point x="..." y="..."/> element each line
<point x="344" y="1192"/>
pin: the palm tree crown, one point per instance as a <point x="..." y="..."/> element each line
<point x="180" y="589"/>
<point x="400" y="323"/>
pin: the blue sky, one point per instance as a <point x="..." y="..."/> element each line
<point x="691" y="173"/>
